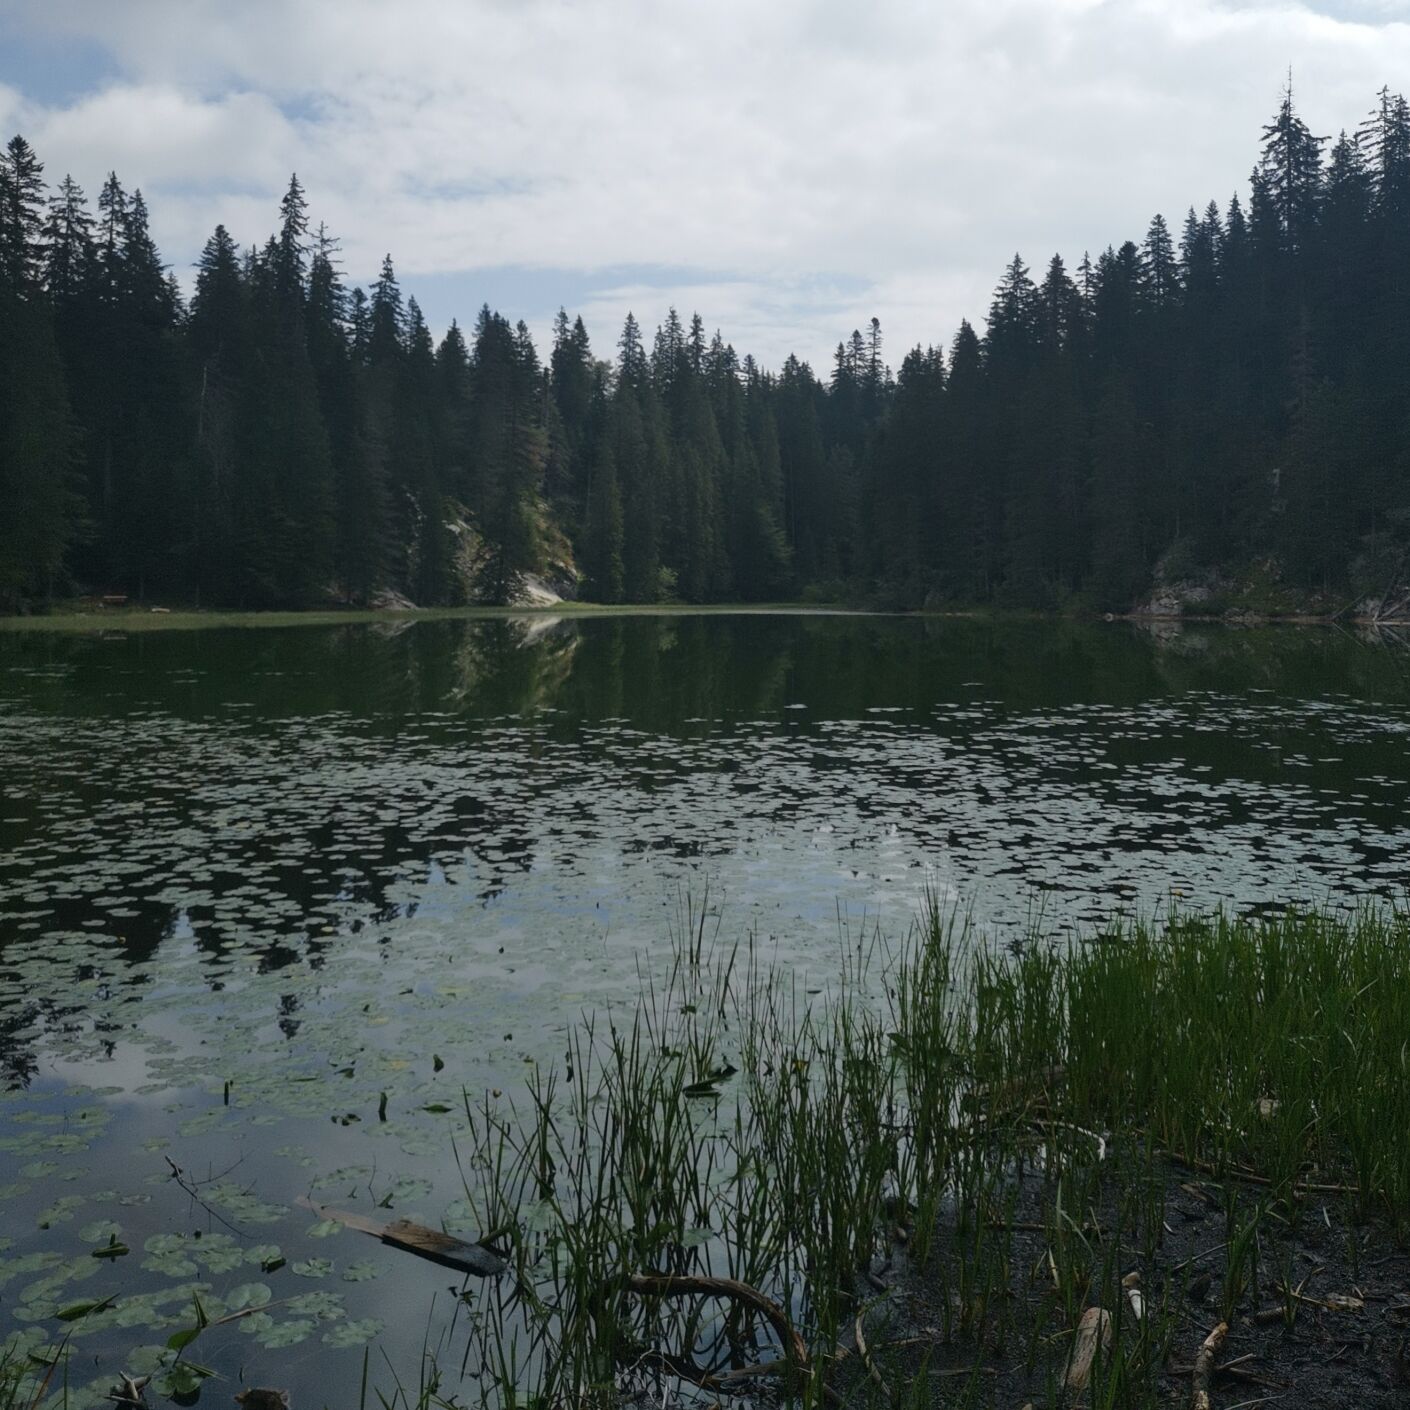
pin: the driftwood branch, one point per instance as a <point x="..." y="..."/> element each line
<point x="431" y="1244"/>
<point x="686" y="1285"/>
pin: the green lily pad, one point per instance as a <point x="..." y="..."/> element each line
<point x="322" y="1305"/>
<point x="256" y="1324"/>
<point x="169" y="1254"/>
<point x="348" y="1334"/>
<point x="247" y="1295"/>
<point x="262" y="1254"/>
<point x="364" y="1270"/>
<point x="285" y="1334"/>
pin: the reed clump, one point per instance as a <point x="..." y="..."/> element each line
<point x="932" y="1120"/>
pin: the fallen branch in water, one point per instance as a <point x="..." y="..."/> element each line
<point x="430" y="1244"/>
<point x="189" y="1186"/>
<point x="686" y="1285"/>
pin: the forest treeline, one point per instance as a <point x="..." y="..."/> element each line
<point x="1230" y="399"/>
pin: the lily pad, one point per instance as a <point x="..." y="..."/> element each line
<point x="322" y="1305"/>
<point x="247" y="1295"/>
<point x="348" y="1334"/>
<point x="285" y="1334"/>
<point x="364" y="1270"/>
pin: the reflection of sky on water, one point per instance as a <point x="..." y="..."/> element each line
<point x="311" y="863"/>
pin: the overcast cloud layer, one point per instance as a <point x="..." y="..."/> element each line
<point x="787" y="168"/>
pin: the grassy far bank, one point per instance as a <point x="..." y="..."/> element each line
<point x="919" y="1187"/>
<point x="75" y="617"/>
<point x="140" y="619"/>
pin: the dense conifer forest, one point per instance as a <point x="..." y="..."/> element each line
<point x="1227" y="401"/>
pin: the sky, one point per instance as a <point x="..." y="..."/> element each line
<point x="787" y="168"/>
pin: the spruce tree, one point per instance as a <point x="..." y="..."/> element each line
<point x="22" y="202"/>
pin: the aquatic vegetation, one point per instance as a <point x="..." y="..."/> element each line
<point x="731" y="1130"/>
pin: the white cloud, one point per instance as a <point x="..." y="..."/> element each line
<point x="232" y="141"/>
<point x="775" y="147"/>
<point x="12" y="114"/>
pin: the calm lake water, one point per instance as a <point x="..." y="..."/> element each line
<point x="252" y="880"/>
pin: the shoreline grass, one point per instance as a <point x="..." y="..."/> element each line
<point x="733" y="1129"/>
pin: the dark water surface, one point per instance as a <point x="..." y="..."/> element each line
<point x="320" y="864"/>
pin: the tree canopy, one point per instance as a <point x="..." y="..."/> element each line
<point x="1230" y="393"/>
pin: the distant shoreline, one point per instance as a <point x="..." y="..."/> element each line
<point x="184" y="619"/>
<point x="142" y="619"/>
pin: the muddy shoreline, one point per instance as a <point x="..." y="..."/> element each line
<point x="1318" y="1311"/>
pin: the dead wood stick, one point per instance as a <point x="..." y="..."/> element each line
<point x="1093" y="1339"/>
<point x="1333" y="1302"/>
<point x="687" y="1370"/>
<point x="1026" y="1226"/>
<point x="1204" y="1366"/>
<point x="249" y="1311"/>
<point x="1252" y="1177"/>
<point x="1234" y="1371"/>
<point x="865" y="1352"/>
<point x="189" y="1186"/>
<point x="744" y="1373"/>
<point x="686" y="1285"/>
<point x="1043" y="1127"/>
<point x="1195" y="1257"/>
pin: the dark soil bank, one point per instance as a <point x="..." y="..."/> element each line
<point x="1318" y="1305"/>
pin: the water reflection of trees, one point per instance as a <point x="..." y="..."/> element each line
<point x="608" y="689"/>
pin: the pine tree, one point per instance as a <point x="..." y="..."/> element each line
<point x="1012" y="319"/>
<point x="1290" y="168"/>
<point x="386" y="318"/>
<point x="1159" y="271"/>
<point x="632" y="362"/>
<point x="21" y="219"/>
<point x="291" y="256"/>
<point x="68" y="237"/>
<point x="216" y="342"/>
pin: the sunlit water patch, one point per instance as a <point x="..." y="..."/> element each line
<point x="272" y="900"/>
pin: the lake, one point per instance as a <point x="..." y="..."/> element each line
<point x="272" y="899"/>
